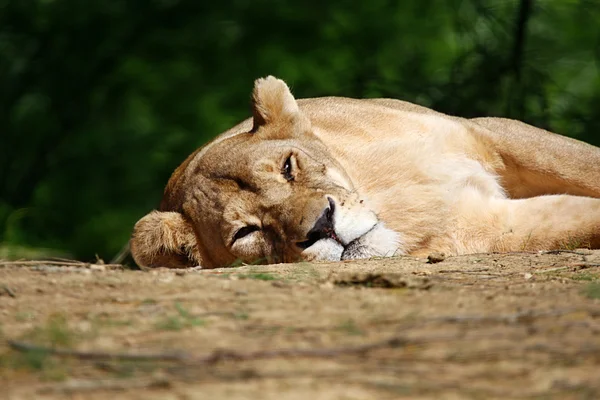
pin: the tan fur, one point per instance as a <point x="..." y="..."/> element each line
<point x="164" y="239"/>
<point x="398" y="179"/>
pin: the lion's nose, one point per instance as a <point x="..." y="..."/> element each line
<point x="323" y="228"/>
<point x="325" y="221"/>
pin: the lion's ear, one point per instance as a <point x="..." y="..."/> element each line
<point x="164" y="239"/>
<point x="272" y="101"/>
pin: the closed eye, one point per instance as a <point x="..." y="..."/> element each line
<point x="245" y="231"/>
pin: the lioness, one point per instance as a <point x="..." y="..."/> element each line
<point x="338" y="178"/>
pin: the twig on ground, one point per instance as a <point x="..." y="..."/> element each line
<point x="525" y="316"/>
<point x="542" y="252"/>
<point x="58" y="263"/>
<point x="76" y="385"/>
<point x="63" y="259"/>
<point x="559" y="251"/>
<point x="571" y="266"/>
<point x="545" y="271"/>
<point x="213" y="358"/>
<point x="92" y="355"/>
<point x="406" y="324"/>
<point x="584" y="265"/>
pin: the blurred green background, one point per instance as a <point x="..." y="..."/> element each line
<point x="101" y="100"/>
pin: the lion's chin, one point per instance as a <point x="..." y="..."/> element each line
<point x="357" y="250"/>
<point x="379" y="241"/>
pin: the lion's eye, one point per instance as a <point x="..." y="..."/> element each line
<point x="286" y="171"/>
<point x="245" y="231"/>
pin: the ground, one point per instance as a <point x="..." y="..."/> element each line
<point x="519" y="325"/>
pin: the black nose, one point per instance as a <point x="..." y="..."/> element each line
<point x="325" y="221"/>
<point x="323" y="228"/>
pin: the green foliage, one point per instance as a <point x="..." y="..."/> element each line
<point x="100" y="101"/>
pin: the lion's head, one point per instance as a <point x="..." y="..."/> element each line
<point x="269" y="190"/>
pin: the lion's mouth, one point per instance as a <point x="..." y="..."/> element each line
<point x="378" y="241"/>
<point x="340" y="234"/>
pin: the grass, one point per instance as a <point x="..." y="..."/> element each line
<point x="104" y="321"/>
<point x="239" y="262"/>
<point x="260" y="276"/>
<point x="182" y="320"/>
<point x="573" y="243"/>
<point x="242" y="315"/>
<point x="236" y="263"/>
<point x="585" y="277"/>
<point x="592" y="290"/>
<point x="149" y="302"/>
<point x="526" y="242"/>
<point x="23" y="316"/>
<point x="349" y="327"/>
<point x="54" y="333"/>
<point x="304" y="271"/>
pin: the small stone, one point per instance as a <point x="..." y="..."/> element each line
<point x="84" y="326"/>
<point x="436" y="257"/>
<point x="527" y="276"/>
<point x="165" y="278"/>
<point x="98" y="267"/>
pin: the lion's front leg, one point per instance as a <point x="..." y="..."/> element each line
<point x="549" y="222"/>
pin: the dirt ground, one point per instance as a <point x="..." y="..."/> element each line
<point x="521" y="325"/>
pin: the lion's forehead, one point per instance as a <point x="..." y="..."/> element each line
<point x="235" y="152"/>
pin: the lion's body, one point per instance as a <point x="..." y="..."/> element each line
<point x="387" y="177"/>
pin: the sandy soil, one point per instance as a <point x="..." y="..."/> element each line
<point x="482" y="326"/>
